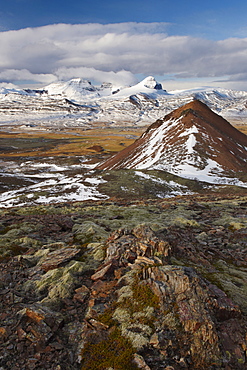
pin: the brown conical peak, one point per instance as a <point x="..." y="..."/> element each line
<point x="202" y="115"/>
<point x="194" y="108"/>
<point x="165" y="143"/>
<point x="195" y="105"/>
<point x="197" y="109"/>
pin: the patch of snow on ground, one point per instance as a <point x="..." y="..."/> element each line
<point x="207" y="174"/>
<point x="50" y="183"/>
<point x="190" y="143"/>
<point x="63" y="189"/>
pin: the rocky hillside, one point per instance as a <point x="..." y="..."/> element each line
<point x="155" y="284"/>
<point x="192" y="141"/>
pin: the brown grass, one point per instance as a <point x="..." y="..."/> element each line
<point x="78" y="141"/>
<point x="73" y="142"/>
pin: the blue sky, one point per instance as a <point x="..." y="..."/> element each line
<point x="198" y="42"/>
<point x="210" y="19"/>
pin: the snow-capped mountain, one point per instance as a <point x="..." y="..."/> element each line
<point x="77" y="103"/>
<point x="74" y="89"/>
<point x="7" y="89"/>
<point x="192" y="142"/>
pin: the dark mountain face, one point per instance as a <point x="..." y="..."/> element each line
<point x="192" y="141"/>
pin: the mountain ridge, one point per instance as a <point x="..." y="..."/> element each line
<point x="138" y="105"/>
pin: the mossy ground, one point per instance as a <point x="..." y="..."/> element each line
<point x="115" y="352"/>
<point x="189" y="224"/>
<point x="130" y="323"/>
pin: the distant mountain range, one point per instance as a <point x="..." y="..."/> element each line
<point x="193" y="142"/>
<point x="77" y="102"/>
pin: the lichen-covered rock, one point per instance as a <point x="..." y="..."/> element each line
<point x="89" y="232"/>
<point x="60" y="283"/>
<point x="171" y="315"/>
<point x="97" y="251"/>
<point x="58" y="257"/>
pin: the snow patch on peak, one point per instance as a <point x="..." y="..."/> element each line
<point x="149" y="86"/>
<point x="192" y="130"/>
<point x="151" y="83"/>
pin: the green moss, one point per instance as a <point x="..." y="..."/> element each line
<point x="107" y="316"/>
<point x="236" y="226"/>
<point x="213" y="278"/>
<point x="228" y="354"/>
<point x="182" y="222"/>
<point x="241" y="361"/>
<point x="230" y="278"/>
<point x="144" y="296"/>
<point x="114" y="351"/>
<point x="227" y="219"/>
<point x="89" y="232"/>
<point x="137" y="296"/>
<point x="39" y="209"/>
<point x="132" y="184"/>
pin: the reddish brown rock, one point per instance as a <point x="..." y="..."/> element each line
<point x="103" y="272"/>
<point x="59" y="257"/>
<point x="82" y="294"/>
<point x="3" y="334"/>
<point x="39" y="323"/>
<point x="96" y="148"/>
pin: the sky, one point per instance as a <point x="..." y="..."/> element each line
<point x="183" y="44"/>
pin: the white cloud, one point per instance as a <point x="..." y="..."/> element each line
<point x="115" y="52"/>
<point x="121" y="77"/>
<point x="24" y="74"/>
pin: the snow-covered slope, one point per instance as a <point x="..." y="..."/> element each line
<point x="192" y="142"/>
<point x="147" y="86"/>
<point x="77" y="103"/>
<point x="11" y="89"/>
<point x="75" y="89"/>
<point x="228" y="103"/>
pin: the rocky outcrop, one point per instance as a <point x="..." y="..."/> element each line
<point x="171" y="315"/>
<point x="141" y="297"/>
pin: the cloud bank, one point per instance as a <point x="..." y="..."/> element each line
<point x="116" y="53"/>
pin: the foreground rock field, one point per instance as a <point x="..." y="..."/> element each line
<point x="117" y="284"/>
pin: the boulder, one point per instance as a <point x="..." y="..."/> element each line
<point x="38" y="324"/>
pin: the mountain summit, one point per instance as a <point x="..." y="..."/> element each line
<point x="150" y="83"/>
<point x="73" y="89"/>
<point x="193" y="142"/>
